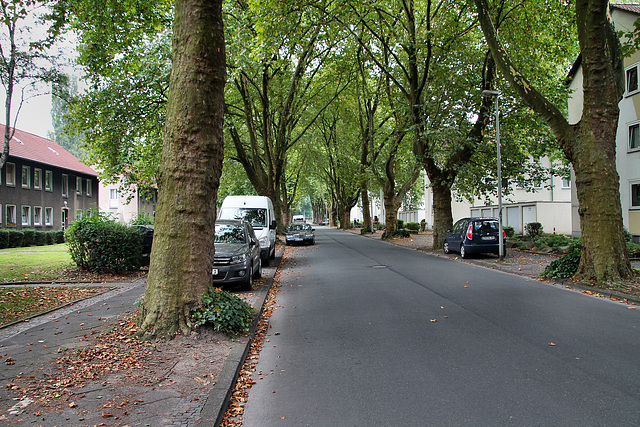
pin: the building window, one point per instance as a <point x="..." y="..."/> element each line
<point x="26" y="215"/>
<point x="48" y="181"/>
<point x="37" y="215"/>
<point x="65" y="185"/>
<point x="11" y="215"/>
<point x="79" y="186"/>
<point x="48" y="216"/>
<point x="37" y="179"/>
<point x="89" y="188"/>
<point x="566" y="182"/>
<point x="26" y="177"/>
<point x="634" y="136"/>
<point x="113" y="198"/>
<point x="632" y="79"/>
<point x="10" y="174"/>
<point x="635" y="195"/>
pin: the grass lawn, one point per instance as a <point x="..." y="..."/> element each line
<point x="35" y="263"/>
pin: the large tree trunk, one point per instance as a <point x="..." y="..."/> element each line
<point x="391" y="207"/>
<point x="442" y="217"/>
<point x="333" y="214"/>
<point x="182" y="254"/>
<point x="366" y="209"/>
<point x="604" y="251"/>
<point x="345" y="217"/>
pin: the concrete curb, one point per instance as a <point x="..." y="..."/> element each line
<point x="218" y="400"/>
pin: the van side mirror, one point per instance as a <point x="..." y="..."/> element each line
<point x="273" y="225"/>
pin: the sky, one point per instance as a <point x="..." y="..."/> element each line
<point x="34" y="117"/>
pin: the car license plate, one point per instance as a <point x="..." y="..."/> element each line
<point x="215" y="272"/>
<point x="488" y="237"/>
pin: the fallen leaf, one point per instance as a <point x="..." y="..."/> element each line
<point x="552" y="344"/>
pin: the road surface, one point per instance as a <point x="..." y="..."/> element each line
<point x="370" y="334"/>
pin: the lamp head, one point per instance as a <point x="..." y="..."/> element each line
<point x="490" y="93"/>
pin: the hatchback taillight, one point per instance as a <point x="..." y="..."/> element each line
<point x="504" y="235"/>
<point x="469" y="232"/>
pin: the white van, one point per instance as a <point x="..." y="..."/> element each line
<point x="258" y="211"/>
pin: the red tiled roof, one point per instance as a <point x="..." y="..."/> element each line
<point x="27" y="146"/>
<point x="635" y="8"/>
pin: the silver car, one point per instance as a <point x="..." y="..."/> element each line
<point x="237" y="254"/>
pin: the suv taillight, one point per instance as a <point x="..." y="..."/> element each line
<point x="469" y="232"/>
<point x="504" y="235"/>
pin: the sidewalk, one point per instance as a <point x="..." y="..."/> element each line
<point x="119" y="381"/>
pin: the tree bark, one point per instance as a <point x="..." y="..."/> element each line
<point x="182" y="254"/>
<point x="391" y="206"/>
<point x="590" y="144"/>
<point x="366" y="209"/>
<point x="442" y="216"/>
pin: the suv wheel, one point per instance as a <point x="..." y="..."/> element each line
<point x="446" y="248"/>
<point x="248" y="284"/>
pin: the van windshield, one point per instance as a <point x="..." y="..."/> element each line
<point x="254" y="216"/>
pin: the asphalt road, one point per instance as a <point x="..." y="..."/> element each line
<point x="369" y="334"/>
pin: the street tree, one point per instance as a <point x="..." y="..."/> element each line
<point x="589" y="144"/>
<point x="433" y="56"/>
<point x="192" y="155"/>
<point x="278" y="88"/>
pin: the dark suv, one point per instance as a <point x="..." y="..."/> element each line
<point x="474" y="236"/>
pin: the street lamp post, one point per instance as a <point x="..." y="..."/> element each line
<point x="496" y="94"/>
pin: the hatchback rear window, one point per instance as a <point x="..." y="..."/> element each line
<point x="485" y="226"/>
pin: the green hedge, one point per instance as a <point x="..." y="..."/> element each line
<point x="413" y="226"/>
<point x="15" y="238"/>
<point x="99" y="243"/>
<point x="10" y="238"/>
<point x="4" y="239"/>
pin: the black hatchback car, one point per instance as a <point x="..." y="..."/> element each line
<point x="475" y="236"/>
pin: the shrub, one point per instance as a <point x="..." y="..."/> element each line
<point x="40" y="238"/>
<point x="99" y="243"/>
<point x="4" y="239"/>
<point x="509" y="231"/>
<point x="59" y="236"/>
<point x="399" y="224"/>
<point x="402" y="233"/>
<point x="51" y="237"/>
<point x="28" y="237"/>
<point x="627" y="235"/>
<point x="533" y="229"/>
<point x="554" y="240"/>
<point x="142" y="218"/>
<point x="413" y="226"/>
<point x="633" y="249"/>
<point x="423" y="225"/>
<point x="365" y="230"/>
<point x="15" y="238"/>
<point x="567" y="265"/>
<point x="225" y="311"/>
